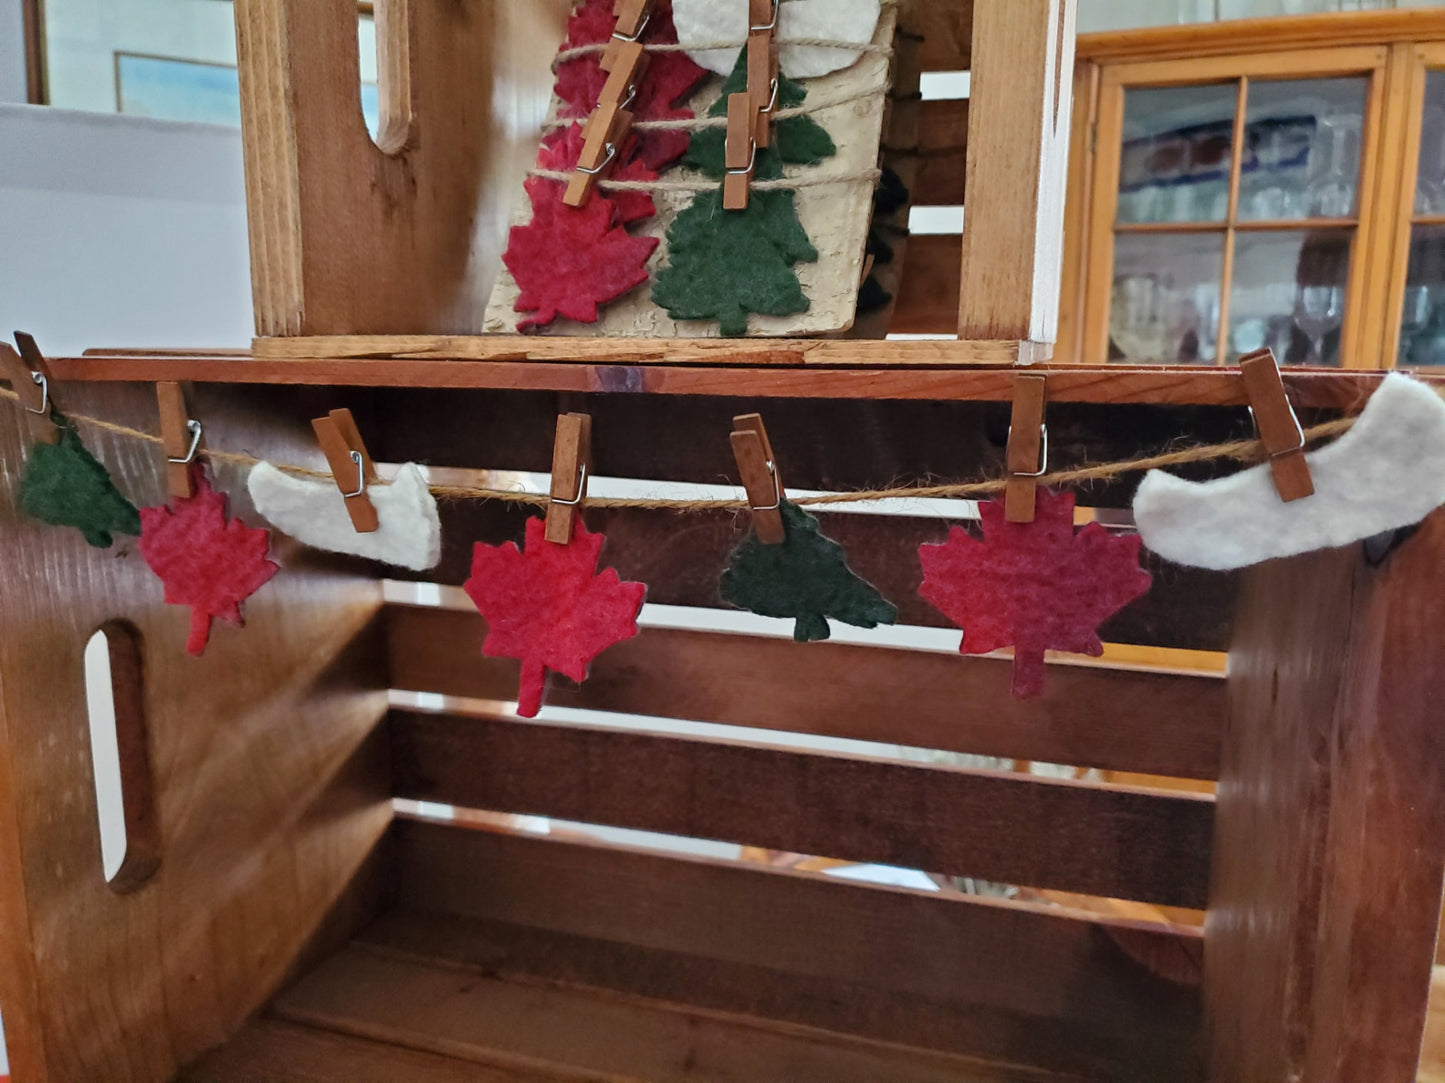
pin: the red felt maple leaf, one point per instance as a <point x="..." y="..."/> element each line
<point x="569" y="260"/>
<point x="668" y="79"/>
<point x="560" y="151"/>
<point x="545" y="606"/>
<point x="206" y="561"/>
<point x="1033" y="586"/>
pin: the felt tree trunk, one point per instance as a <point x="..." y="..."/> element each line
<point x="805" y="577"/>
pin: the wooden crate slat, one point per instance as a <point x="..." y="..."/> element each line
<point x="574" y="365"/>
<point x="1015" y="829"/>
<point x="1327" y="880"/>
<point x="275" y="1049"/>
<point x="579" y="1034"/>
<point x="1018" y="984"/>
<point x="680" y="559"/>
<point x="927" y="301"/>
<point x="947" y="30"/>
<point x="942" y="155"/>
<point x="1113" y="719"/>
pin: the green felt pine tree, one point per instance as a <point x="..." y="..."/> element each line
<point x="805" y="577"/>
<point x="64" y="485"/>
<point x="724" y="265"/>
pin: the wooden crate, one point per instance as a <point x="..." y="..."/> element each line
<point x="360" y="249"/>
<point x="1243" y="886"/>
<point x="384" y="946"/>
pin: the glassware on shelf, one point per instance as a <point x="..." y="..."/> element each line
<point x="1165" y="302"/>
<point x="1336" y="171"/>
<point x="1422" y="331"/>
<point x="1272" y="195"/>
<point x="1318" y="311"/>
<point x="1175" y="159"/>
<point x="1288" y="293"/>
<point x="1430" y="184"/>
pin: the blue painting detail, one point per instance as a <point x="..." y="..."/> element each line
<point x="171" y="89"/>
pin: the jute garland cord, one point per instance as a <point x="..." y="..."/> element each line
<point x="785" y="184"/>
<point x="579" y="51"/>
<point x="1240" y="450"/>
<point x="699" y="123"/>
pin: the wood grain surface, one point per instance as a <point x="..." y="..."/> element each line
<point x="1093" y="839"/>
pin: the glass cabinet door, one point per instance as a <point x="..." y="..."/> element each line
<point x="1422" y="323"/>
<point x="1234" y="222"/>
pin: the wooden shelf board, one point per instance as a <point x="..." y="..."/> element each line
<point x="1171" y="385"/>
<point x="642" y="351"/>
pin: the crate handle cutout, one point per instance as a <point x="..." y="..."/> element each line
<point x="395" y="123"/>
<point x="130" y="845"/>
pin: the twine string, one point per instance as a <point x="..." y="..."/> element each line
<point x="699" y="123"/>
<point x="1240" y="450"/>
<point x="577" y="52"/>
<point x="786" y="184"/>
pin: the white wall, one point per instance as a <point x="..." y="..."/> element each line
<point x="12" y="52"/>
<point x="121" y="231"/>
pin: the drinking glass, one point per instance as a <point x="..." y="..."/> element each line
<point x="1331" y="190"/>
<point x="1319" y="310"/>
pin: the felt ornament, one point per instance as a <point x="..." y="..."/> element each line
<point x="805" y="577"/>
<point x="64" y="485"/>
<point x="562" y="149"/>
<point x="569" y="260"/>
<point x="205" y="560"/>
<point x="312" y="512"/>
<point x="707" y="22"/>
<point x="798" y="140"/>
<point x="546" y="605"/>
<point x="1034" y="586"/>
<point x="1386" y="472"/>
<point x="724" y="265"/>
<point x="668" y="79"/>
<point x="727" y="264"/>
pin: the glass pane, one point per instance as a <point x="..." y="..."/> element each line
<point x="1302" y="148"/>
<point x="1175" y="159"/>
<point x="1422" y="337"/>
<point x="1165" y="304"/>
<point x="1430" y="190"/>
<point x="1289" y="294"/>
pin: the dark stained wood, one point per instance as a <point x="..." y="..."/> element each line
<point x="942" y="153"/>
<point x="1016" y="829"/>
<point x="1112" y="719"/>
<point x="680" y="557"/>
<point x="266" y="815"/>
<point x="137" y="782"/>
<point x="1327" y="880"/>
<point x="1012" y="983"/>
<point x="557" y="1031"/>
<point x="33" y="27"/>
<point x="1160" y="385"/>
<point x="927" y="301"/>
<point x="947" y="30"/>
<point x="273" y="1049"/>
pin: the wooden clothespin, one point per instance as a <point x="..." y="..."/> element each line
<point x="29" y="378"/>
<point x="742" y="152"/>
<point x="1279" y="428"/>
<point x="181" y="437"/>
<point x="761" y="478"/>
<point x="607" y="126"/>
<point x="1028" y="448"/>
<point x="571" y="459"/>
<point x="350" y="464"/>
<point x="763" y="66"/>
<point x="632" y="19"/>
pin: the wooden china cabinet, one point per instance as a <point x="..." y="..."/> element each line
<point x="1270" y="182"/>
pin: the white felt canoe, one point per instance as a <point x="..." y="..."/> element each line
<point x="1387" y="472"/>
<point x="313" y="512"/>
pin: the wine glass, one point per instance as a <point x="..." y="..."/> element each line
<point x="1135" y="322"/>
<point x="1430" y="192"/>
<point x="1271" y="197"/>
<point x="1331" y="190"/>
<point x="1319" y="310"/>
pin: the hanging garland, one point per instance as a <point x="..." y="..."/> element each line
<point x="1035" y="586"/>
